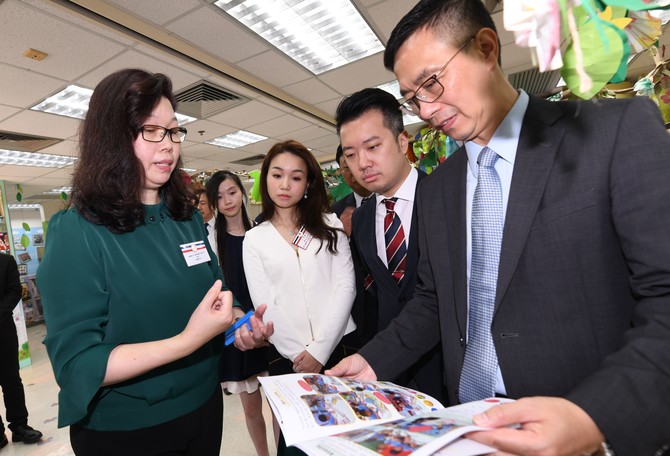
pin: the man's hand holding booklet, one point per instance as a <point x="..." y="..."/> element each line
<point x="333" y="416"/>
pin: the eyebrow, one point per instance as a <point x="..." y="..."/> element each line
<point x="291" y="171"/>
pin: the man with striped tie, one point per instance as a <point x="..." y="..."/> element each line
<point x="384" y="231"/>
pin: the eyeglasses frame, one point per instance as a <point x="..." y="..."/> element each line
<point x="405" y="103"/>
<point x="165" y="133"/>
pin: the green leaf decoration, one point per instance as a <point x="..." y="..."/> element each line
<point x="45" y="225"/>
<point x="25" y="241"/>
<point x="620" y="75"/>
<point x="19" y="197"/>
<point x="19" y="188"/>
<point x="639" y="5"/>
<point x="63" y="196"/>
<point x="26" y="227"/>
<point x="601" y="60"/>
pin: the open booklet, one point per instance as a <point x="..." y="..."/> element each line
<point x="333" y="416"/>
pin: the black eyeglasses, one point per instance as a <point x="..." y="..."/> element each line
<point x="431" y="89"/>
<point x="155" y="133"/>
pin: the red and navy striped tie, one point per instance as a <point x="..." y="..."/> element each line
<point x="394" y="235"/>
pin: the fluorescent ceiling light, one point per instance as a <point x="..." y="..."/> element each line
<point x="188" y="170"/>
<point x="24" y="206"/>
<point x="237" y="139"/>
<point x="58" y="191"/>
<point x="14" y="157"/>
<point x="318" y="34"/>
<point x="73" y="100"/>
<point x="394" y="89"/>
<point x="183" y="119"/>
<point x="70" y="102"/>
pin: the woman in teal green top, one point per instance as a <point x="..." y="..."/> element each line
<point x="132" y="292"/>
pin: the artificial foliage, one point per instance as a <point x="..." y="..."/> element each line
<point x="431" y="148"/>
<point x="589" y="40"/>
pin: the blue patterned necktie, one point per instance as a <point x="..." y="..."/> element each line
<point x="481" y="363"/>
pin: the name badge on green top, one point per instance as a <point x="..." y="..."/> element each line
<point x="195" y="253"/>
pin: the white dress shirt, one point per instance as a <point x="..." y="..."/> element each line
<point x="403" y="208"/>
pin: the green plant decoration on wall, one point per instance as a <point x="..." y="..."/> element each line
<point x="432" y="147"/>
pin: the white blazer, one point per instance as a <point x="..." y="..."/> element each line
<point x="309" y="295"/>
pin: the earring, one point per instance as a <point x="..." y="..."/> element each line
<point x="305" y="195"/>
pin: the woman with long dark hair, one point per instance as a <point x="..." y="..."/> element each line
<point x="298" y="262"/>
<point x="238" y="371"/>
<point x="131" y="339"/>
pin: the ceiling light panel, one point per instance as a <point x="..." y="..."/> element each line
<point x="237" y="139"/>
<point x="13" y="157"/>
<point x="73" y="102"/>
<point x="318" y="34"/>
<point x="70" y="102"/>
<point x="58" y="191"/>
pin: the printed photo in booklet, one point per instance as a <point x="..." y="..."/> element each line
<point x="333" y="416"/>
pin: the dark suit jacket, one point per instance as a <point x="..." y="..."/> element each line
<point x="340" y="205"/>
<point x="10" y="293"/>
<point x="583" y="299"/>
<point x="426" y="374"/>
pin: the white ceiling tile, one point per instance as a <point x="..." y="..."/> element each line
<point x="134" y="59"/>
<point x="6" y="111"/>
<point x="67" y="148"/>
<point x="205" y="130"/>
<point x="72" y="50"/>
<point x="61" y="10"/>
<point x="275" y="67"/>
<point x="41" y="124"/>
<point x="59" y="173"/>
<point x="247" y="114"/>
<point x="280" y="126"/>
<point x="24" y="88"/>
<point x="218" y="34"/>
<point x="387" y="14"/>
<point x="306" y="134"/>
<point x="347" y="79"/>
<point x="311" y="91"/>
<point x="13" y="171"/>
<point x="158" y="13"/>
<point x="330" y="106"/>
<point x="49" y="182"/>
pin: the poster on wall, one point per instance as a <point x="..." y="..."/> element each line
<point x="29" y="254"/>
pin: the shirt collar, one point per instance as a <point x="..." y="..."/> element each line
<point x="506" y="137"/>
<point x="407" y="189"/>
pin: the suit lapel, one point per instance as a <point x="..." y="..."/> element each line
<point x="538" y="144"/>
<point x="453" y="197"/>
<point x="413" y="238"/>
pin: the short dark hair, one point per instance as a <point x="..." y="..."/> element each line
<point x="226" y="260"/>
<point x="453" y="20"/>
<point x="355" y="105"/>
<point x="108" y="178"/>
<point x="314" y="206"/>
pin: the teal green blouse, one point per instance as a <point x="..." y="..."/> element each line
<point x="101" y="289"/>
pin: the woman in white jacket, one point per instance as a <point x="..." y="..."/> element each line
<point x="298" y="262"/>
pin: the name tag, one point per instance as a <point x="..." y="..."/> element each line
<point x="302" y="239"/>
<point x="195" y="253"/>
